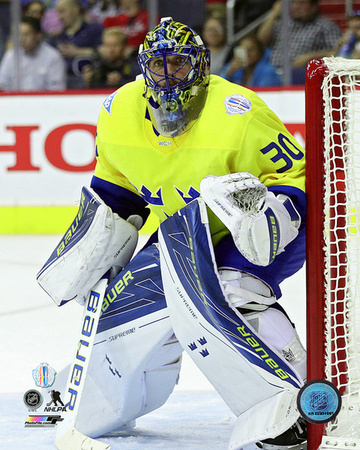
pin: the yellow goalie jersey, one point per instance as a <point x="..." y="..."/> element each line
<point x="236" y="132"/>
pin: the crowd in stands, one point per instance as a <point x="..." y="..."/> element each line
<point x="88" y="44"/>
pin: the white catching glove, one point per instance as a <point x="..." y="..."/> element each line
<point x="261" y="224"/>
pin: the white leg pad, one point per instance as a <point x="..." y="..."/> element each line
<point x="249" y="426"/>
<point x="246" y="371"/>
<point x="244" y="386"/>
<point x="135" y="374"/>
<point x="129" y="375"/>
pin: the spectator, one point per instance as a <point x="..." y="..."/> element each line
<point x="30" y="8"/>
<point x="41" y="66"/>
<point x="348" y="45"/>
<point x="110" y="68"/>
<point x="77" y="41"/>
<point x="49" y="18"/>
<point x="310" y="34"/>
<point x="250" y="65"/>
<point x="214" y="35"/>
<point x="133" y="22"/>
<point x="33" y="8"/>
<point x="51" y="24"/>
<point x="101" y="9"/>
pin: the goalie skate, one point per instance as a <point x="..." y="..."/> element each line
<point x="295" y="438"/>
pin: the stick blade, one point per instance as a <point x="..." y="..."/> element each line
<point x="72" y="439"/>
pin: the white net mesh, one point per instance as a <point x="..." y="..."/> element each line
<point x="341" y="94"/>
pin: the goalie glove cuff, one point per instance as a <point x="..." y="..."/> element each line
<point x="260" y="223"/>
<point x="260" y="237"/>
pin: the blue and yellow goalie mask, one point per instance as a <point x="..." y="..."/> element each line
<point x="176" y="66"/>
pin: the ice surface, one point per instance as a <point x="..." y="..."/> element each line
<point x="34" y="330"/>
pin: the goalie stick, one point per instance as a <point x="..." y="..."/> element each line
<point x="67" y="436"/>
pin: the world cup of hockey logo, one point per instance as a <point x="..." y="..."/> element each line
<point x="44" y="375"/>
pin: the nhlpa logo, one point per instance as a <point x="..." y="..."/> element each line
<point x="108" y="102"/>
<point x="237" y="104"/>
<point x="44" y="375"/>
<point x="55" y="399"/>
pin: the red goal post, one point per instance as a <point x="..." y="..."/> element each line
<point x="333" y="242"/>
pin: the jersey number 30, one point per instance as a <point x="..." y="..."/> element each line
<point x="285" y="150"/>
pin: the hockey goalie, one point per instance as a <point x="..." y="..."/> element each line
<point x="226" y="180"/>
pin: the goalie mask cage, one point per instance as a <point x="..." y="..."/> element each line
<point x="333" y="242"/>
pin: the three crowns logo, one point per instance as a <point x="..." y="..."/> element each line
<point x="202" y="341"/>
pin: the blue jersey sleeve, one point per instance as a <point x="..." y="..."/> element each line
<point x="121" y="200"/>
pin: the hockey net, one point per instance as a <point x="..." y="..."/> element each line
<point x="333" y="242"/>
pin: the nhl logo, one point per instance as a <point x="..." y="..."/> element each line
<point x="33" y="399"/>
<point x="44" y="375"/>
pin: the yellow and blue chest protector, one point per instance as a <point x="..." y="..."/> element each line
<point x="236" y="132"/>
